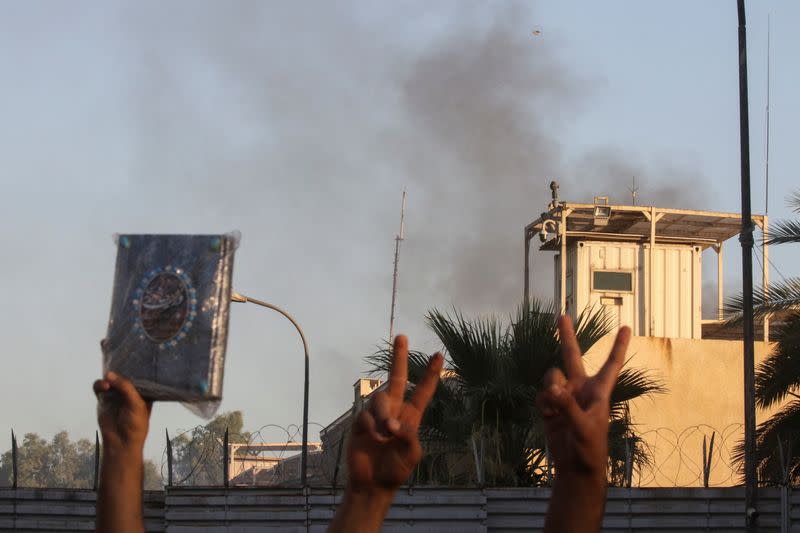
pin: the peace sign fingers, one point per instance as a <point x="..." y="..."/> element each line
<point x="398" y="374"/>
<point x="423" y="393"/>
<point x="570" y="350"/>
<point x="607" y="376"/>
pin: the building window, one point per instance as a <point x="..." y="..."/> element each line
<point x="612" y="281"/>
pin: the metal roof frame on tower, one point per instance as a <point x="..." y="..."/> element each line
<point x="650" y="228"/>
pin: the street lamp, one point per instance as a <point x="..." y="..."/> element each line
<point x="236" y="297"/>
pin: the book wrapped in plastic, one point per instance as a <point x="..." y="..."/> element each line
<point x="169" y="316"/>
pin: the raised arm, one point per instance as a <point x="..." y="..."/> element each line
<point x="384" y="445"/>
<point x="124" y="418"/>
<point x="576" y="413"/>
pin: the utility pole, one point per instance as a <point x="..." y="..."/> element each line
<point x="400" y="237"/>
<point x="746" y="239"/>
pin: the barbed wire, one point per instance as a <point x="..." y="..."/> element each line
<point x="676" y="457"/>
<point x="198" y="457"/>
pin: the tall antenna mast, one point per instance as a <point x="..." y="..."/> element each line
<point x="766" y="170"/>
<point x="634" y="190"/>
<point x="765" y="225"/>
<point x="400" y="237"/>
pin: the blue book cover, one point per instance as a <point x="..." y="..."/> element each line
<point x="168" y="328"/>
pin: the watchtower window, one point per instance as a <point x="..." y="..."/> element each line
<point x="612" y="281"/>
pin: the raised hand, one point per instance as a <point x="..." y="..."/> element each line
<point x="576" y="418"/>
<point x="123" y="417"/>
<point x="384" y="446"/>
<point x="122" y="414"/>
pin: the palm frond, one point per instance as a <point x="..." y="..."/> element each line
<point x="494" y="370"/>
<point x="474" y="348"/>
<point x="781" y="297"/>
<point x="623" y="443"/>
<point x="633" y="383"/>
<point x="779" y="374"/>
<point x="592" y="325"/>
<point x="381" y="361"/>
<point x="783" y="426"/>
<point x="793" y="201"/>
<point x="534" y="347"/>
<point x="784" y="232"/>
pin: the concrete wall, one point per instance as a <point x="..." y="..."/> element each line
<point x="420" y="509"/>
<point x="64" y="510"/>
<point x="705" y="395"/>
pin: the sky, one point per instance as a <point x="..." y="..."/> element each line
<point x="300" y="124"/>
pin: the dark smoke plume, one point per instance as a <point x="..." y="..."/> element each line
<point x="316" y="108"/>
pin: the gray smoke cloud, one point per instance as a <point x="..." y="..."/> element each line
<point x="274" y="106"/>
<point x="299" y="124"/>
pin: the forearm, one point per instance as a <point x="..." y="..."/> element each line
<point x="119" y="496"/>
<point x="576" y="505"/>
<point x="362" y="511"/>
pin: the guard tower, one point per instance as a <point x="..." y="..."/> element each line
<point x="642" y="264"/>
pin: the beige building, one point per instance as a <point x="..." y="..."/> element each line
<point x="643" y="265"/>
<point x="334" y="436"/>
<point x="270" y="463"/>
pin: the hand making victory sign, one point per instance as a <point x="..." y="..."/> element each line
<point x="576" y="410"/>
<point x="384" y="445"/>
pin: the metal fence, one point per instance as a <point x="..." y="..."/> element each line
<point x="697" y="456"/>
<point x="421" y="509"/>
<point x="268" y="456"/>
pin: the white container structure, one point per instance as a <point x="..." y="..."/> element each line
<point x="642" y="264"/>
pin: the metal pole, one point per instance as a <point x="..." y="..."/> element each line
<point x="720" y="286"/>
<point x="746" y="239"/>
<point x="765" y="272"/>
<point x="766" y="165"/>
<point x="397" y="241"/>
<point x="226" y="460"/>
<point x="765" y="228"/>
<point x="96" y="460"/>
<point x="651" y="326"/>
<point x="304" y="454"/>
<point x="14" y="472"/>
<point x="169" y="459"/>
<point x="563" y="261"/>
<point x="527" y="290"/>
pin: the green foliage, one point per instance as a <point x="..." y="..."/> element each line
<point x="784" y="232"/>
<point x="199" y="454"/>
<point x="59" y="463"/>
<point x="781" y="298"/>
<point x="787" y="231"/>
<point x="784" y="296"/>
<point x="778" y="376"/>
<point x="484" y="411"/>
<point x="152" y="476"/>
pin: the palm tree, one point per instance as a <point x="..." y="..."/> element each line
<point x="482" y="425"/>
<point x="788" y="231"/>
<point x="778" y="376"/>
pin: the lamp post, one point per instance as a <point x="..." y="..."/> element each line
<point x="236" y="297"/>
